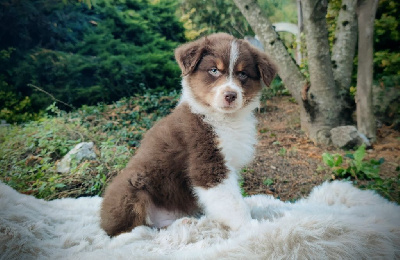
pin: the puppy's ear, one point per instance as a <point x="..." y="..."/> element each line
<point x="189" y="54"/>
<point x="265" y="66"/>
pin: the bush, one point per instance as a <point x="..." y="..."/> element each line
<point x="85" y="56"/>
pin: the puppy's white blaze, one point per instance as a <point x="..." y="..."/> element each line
<point x="224" y="203"/>
<point x="230" y="85"/>
<point x="234" y="55"/>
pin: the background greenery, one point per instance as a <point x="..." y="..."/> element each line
<point x="83" y="56"/>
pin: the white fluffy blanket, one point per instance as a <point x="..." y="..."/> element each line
<point x="336" y="221"/>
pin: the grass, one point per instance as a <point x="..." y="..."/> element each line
<point x="29" y="153"/>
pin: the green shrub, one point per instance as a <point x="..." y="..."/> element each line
<point x="363" y="173"/>
<point x="355" y="166"/>
<point x="115" y="49"/>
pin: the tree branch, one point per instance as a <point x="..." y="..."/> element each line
<point x="50" y="95"/>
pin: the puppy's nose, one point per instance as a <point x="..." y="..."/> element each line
<point x="230" y="96"/>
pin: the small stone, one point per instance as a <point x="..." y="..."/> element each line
<point x="347" y="137"/>
<point x="81" y="151"/>
<point x="4" y="123"/>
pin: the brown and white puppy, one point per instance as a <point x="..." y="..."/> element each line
<point x="189" y="161"/>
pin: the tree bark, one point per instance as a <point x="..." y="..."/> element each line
<point x="344" y="47"/>
<point x="324" y="104"/>
<point x="365" y="116"/>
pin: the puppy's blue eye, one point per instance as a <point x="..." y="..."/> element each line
<point x="242" y="75"/>
<point x="214" y="71"/>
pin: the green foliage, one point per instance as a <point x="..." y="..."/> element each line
<point x="387" y="59"/>
<point x="205" y="17"/>
<point x="275" y="89"/>
<point x="29" y="153"/>
<point x="356" y="168"/>
<point x="364" y="173"/>
<point x="84" y="55"/>
<point x="268" y="182"/>
<point x="13" y="108"/>
<point x="387" y="39"/>
<point x="282" y="151"/>
<point x="242" y="191"/>
<point x="280" y="10"/>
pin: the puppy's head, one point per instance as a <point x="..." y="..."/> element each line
<point x="223" y="73"/>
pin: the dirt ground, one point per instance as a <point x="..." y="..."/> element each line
<point x="288" y="165"/>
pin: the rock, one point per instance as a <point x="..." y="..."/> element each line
<point x="4" y="123"/>
<point x="81" y="151"/>
<point x="348" y="137"/>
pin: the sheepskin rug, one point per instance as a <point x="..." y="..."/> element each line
<point x="336" y="221"/>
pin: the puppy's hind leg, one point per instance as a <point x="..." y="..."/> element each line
<point x="123" y="207"/>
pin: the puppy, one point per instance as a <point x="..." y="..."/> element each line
<point x="188" y="163"/>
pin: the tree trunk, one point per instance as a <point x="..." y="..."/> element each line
<point x="344" y="47"/>
<point x="365" y="116"/>
<point x="319" y="102"/>
<point x="322" y="101"/>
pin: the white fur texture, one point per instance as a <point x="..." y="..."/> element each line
<point x="234" y="55"/>
<point x="224" y="203"/>
<point x="337" y="221"/>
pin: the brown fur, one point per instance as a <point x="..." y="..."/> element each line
<point x="180" y="151"/>
<point x="163" y="170"/>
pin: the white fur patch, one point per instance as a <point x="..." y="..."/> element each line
<point x="159" y="217"/>
<point x="224" y="203"/>
<point x="234" y="55"/>
<point x="237" y="140"/>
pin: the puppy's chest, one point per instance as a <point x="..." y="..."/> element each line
<point x="237" y="141"/>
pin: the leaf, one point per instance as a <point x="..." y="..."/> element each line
<point x="328" y="159"/>
<point x="360" y="153"/>
<point x="339" y="160"/>
<point x="268" y="182"/>
<point x="60" y="185"/>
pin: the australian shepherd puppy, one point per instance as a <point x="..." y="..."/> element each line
<point x="188" y="163"/>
